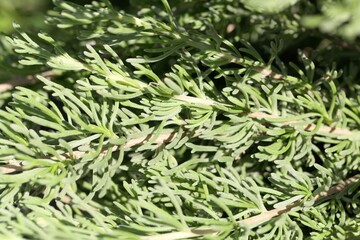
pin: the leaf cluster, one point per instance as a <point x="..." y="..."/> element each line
<point x="180" y="120"/>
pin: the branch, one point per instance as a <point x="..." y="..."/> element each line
<point x="15" y="166"/>
<point x="262" y="115"/>
<point x="309" y="127"/>
<point x="10" y="168"/>
<point x="255" y="220"/>
<point x="163" y="138"/>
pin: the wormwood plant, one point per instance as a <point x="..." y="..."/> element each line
<point x="216" y="119"/>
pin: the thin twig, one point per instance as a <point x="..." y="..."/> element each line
<point x="15" y="166"/>
<point x="255" y="220"/>
<point x="163" y="138"/>
<point x="308" y="127"/>
<point x="262" y="115"/>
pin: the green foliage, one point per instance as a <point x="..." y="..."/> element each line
<point x="16" y="10"/>
<point x="337" y="17"/>
<point x="181" y="119"/>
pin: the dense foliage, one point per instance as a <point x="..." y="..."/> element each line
<point x="216" y="119"/>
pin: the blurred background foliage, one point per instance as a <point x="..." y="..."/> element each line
<point x="29" y="14"/>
